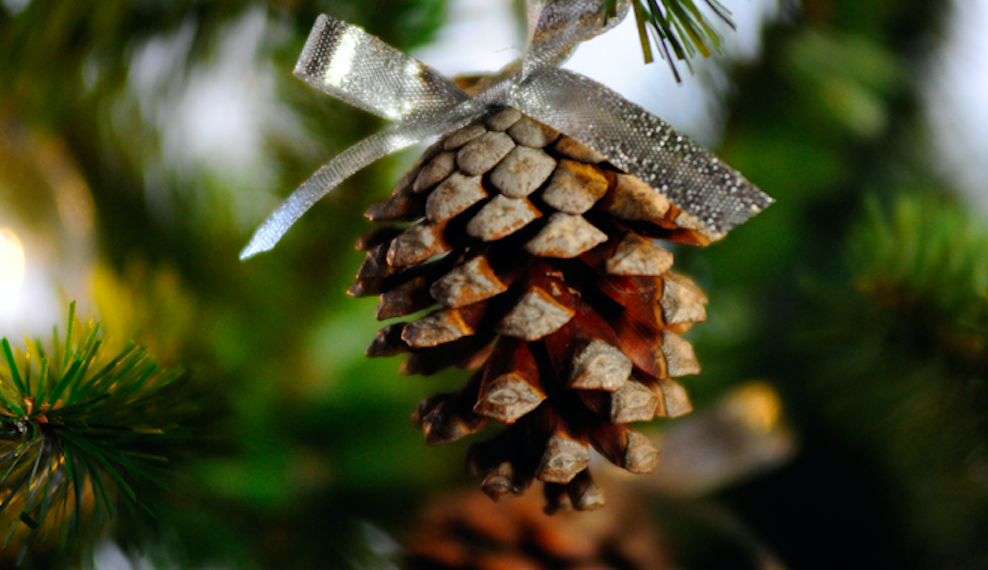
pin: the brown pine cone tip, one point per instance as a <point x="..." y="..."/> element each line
<point x="540" y="260"/>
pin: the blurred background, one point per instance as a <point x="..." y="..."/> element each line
<point x="842" y="415"/>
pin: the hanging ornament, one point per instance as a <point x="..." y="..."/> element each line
<point x="530" y="228"/>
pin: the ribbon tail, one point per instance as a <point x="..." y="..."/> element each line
<point x="634" y="140"/>
<point x="326" y="179"/>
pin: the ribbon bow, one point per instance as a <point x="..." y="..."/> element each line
<point x="348" y="63"/>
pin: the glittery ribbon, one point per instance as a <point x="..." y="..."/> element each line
<point x="348" y="63"/>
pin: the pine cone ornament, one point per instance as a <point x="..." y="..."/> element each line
<point x="539" y="261"/>
<point x="532" y="248"/>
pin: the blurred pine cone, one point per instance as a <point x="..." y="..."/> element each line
<point x="471" y="533"/>
<point x="541" y="258"/>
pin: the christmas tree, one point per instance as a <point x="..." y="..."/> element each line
<point x="223" y="414"/>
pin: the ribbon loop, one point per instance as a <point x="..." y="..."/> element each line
<point x="556" y="28"/>
<point x="346" y="62"/>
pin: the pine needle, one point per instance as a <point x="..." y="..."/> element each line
<point x="74" y="425"/>
<point x="679" y="26"/>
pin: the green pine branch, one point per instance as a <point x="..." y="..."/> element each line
<point x="679" y="29"/>
<point x="79" y="425"/>
<point x="898" y="360"/>
<point x="924" y="260"/>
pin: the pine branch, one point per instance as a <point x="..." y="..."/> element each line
<point x="679" y="26"/>
<point x="897" y="364"/>
<point x="78" y="427"/>
<point x="924" y="260"/>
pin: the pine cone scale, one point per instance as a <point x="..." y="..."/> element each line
<point x="511" y="385"/>
<point x="522" y="171"/>
<point x="468" y="283"/>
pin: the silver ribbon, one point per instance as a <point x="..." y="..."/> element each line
<point x="348" y="63"/>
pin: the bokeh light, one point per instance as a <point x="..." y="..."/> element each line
<point x="12" y="267"/>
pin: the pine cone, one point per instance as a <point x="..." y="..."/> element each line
<point x="470" y="533"/>
<point x="541" y="258"/>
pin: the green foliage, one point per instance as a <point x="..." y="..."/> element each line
<point x="679" y="25"/>
<point x="80" y="423"/>
<point x="924" y="260"/>
<point x="900" y="358"/>
<point x="850" y="75"/>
